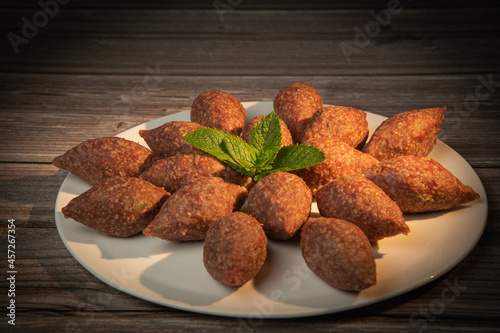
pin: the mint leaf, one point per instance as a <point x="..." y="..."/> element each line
<point x="266" y="138"/>
<point x="241" y="153"/>
<point x="225" y="147"/>
<point x="208" y="140"/>
<point x="262" y="156"/>
<point x="294" y="157"/>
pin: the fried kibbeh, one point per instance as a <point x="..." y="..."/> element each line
<point x="420" y="184"/>
<point x="281" y="202"/>
<point x="286" y="137"/>
<point x="339" y="253"/>
<point x="345" y="123"/>
<point x="168" y="139"/>
<point x="179" y="193"/>
<point x="219" y="109"/>
<point x="118" y="206"/>
<point x="234" y="249"/>
<point x="341" y="160"/>
<point x="188" y="213"/>
<point x="296" y="104"/>
<point x="407" y="133"/>
<point x="96" y="159"/>
<point x="173" y="172"/>
<point x="359" y="201"/>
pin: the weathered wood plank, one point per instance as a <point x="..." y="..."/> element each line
<point x="28" y="195"/>
<point x="175" y="322"/>
<point x="274" y="42"/>
<point x="86" y="301"/>
<point x="322" y="54"/>
<point x="42" y="116"/>
<point x="125" y="23"/>
<point x="259" y="4"/>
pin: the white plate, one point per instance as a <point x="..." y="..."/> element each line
<point x="172" y="274"/>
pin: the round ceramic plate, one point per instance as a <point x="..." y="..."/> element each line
<point x="172" y="274"/>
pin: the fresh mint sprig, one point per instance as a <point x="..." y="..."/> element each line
<point x="262" y="156"/>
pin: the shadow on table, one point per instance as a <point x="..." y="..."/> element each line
<point x="429" y="216"/>
<point x="138" y="246"/>
<point x="181" y="278"/>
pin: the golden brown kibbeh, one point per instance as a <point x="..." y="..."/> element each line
<point x="286" y="137"/>
<point x="407" y="133"/>
<point x="281" y="202"/>
<point x="361" y="202"/>
<point x="339" y="253"/>
<point x="296" y="104"/>
<point x="168" y="139"/>
<point x="119" y="206"/>
<point x="420" y="184"/>
<point x="173" y="172"/>
<point x="188" y="213"/>
<point x="345" y="123"/>
<point x="96" y="159"/>
<point x="219" y="109"/>
<point x="341" y="160"/>
<point x="234" y="249"/>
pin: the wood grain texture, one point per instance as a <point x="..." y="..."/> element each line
<point x="97" y="68"/>
<point x="66" y="110"/>
<point x="164" y="22"/>
<point x="255" y="4"/>
<point x="256" y="43"/>
<point x="432" y="53"/>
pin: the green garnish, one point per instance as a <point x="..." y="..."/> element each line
<point x="262" y="156"/>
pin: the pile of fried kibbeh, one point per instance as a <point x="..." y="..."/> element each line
<point x="177" y="192"/>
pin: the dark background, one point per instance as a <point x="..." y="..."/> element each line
<point x="98" y="67"/>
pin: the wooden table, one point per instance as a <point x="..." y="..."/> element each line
<point x="85" y="69"/>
